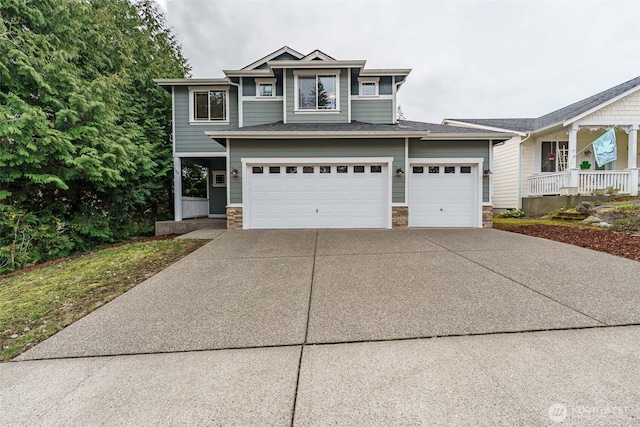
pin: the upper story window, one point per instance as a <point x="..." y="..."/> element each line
<point x="317" y="91"/>
<point x="369" y="86"/>
<point x="209" y="104"/>
<point x="265" y="88"/>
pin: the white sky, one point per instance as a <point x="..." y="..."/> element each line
<point x="470" y="59"/>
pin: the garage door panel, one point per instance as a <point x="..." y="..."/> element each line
<point x="317" y="200"/>
<point x="442" y="196"/>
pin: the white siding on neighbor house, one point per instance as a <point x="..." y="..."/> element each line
<point x="527" y="160"/>
<point x="624" y="111"/>
<point x="505" y="174"/>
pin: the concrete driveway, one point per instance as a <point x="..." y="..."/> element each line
<point x="338" y="327"/>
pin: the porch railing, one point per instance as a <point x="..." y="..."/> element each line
<point x="588" y="182"/>
<point x="548" y="184"/>
<point x="194" y="207"/>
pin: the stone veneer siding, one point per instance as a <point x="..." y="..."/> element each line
<point x="487" y="217"/>
<point x="234" y="218"/>
<point x="399" y="217"/>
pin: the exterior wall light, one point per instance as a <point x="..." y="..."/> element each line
<point x="399" y="172"/>
<point x="234" y="173"/>
<point x="488" y="172"/>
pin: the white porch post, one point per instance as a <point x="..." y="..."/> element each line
<point x="177" y="188"/>
<point x="633" y="160"/>
<point x="573" y="158"/>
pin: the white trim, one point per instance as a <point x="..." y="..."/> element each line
<point x="316" y="74"/>
<point x="462" y="161"/>
<point x="316" y="64"/>
<point x="608" y="123"/>
<point x="394" y="91"/>
<point x="203" y="154"/>
<point x="406" y="171"/>
<point x="385" y="72"/>
<point x="173" y="120"/>
<point x="489" y="177"/>
<point x="186" y="82"/>
<point x="349" y="97"/>
<point x="284" y="96"/>
<point x="240" y="106"/>
<point x="319" y="134"/>
<point x="376" y="86"/>
<point x="376" y="97"/>
<point x="399" y="205"/>
<point x="259" y="82"/>
<point x="262" y="98"/>
<point x="235" y="205"/>
<point x="482" y="127"/>
<point x="177" y="188"/>
<point x="214" y="184"/>
<point x="250" y="161"/>
<point x="194" y="89"/>
<point x="228" y="170"/>
<point x="601" y="106"/>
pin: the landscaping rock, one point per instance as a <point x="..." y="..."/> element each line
<point x="604" y="225"/>
<point x="591" y="220"/>
<point x="585" y="208"/>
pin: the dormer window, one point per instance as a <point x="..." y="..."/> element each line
<point x="317" y="91"/>
<point x="265" y="88"/>
<point x="369" y="86"/>
<point x="209" y="104"/>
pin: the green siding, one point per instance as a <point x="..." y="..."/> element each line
<point x="372" y="110"/>
<point x="191" y="138"/>
<point x="328" y="117"/>
<point x="453" y="149"/>
<point x="261" y="112"/>
<point x="217" y="195"/>
<point x="338" y="148"/>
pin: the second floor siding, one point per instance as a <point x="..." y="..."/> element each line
<point x="189" y="136"/>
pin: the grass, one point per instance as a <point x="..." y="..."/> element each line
<point x="501" y="223"/>
<point x="37" y="304"/>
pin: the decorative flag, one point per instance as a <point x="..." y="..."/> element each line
<point x="604" y="148"/>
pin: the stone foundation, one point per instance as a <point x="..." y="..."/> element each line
<point x="487" y="217"/>
<point x="234" y="218"/>
<point x="399" y="217"/>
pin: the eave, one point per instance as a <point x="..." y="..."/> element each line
<point x="481" y="127"/>
<point x="317" y="64"/>
<point x="191" y="82"/>
<point x="374" y="72"/>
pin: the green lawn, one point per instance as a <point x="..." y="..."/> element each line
<point x="37" y="304"/>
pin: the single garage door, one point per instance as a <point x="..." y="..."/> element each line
<point x="327" y="195"/>
<point x="443" y="196"/>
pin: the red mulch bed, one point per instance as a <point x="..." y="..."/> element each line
<point x="620" y="244"/>
<point x="74" y="256"/>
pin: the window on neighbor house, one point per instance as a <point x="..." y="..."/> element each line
<point x="317" y="92"/>
<point x="554" y="156"/>
<point x="210" y="105"/>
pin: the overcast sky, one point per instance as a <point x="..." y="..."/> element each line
<point x="469" y="59"/>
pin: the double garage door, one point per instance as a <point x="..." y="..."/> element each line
<point x="325" y="195"/>
<point x="356" y="195"/>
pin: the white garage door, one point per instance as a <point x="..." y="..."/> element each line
<point x="443" y="196"/>
<point x="324" y="195"/>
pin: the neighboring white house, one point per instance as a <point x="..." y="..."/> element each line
<point x="548" y="155"/>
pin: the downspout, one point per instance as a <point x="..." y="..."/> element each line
<point x="396" y="87"/>
<point x="520" y="170"/>
<point x="240" y="112"/>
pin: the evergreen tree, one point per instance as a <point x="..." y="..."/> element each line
<point x="85" y="139"/>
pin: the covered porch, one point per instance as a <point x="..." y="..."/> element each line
<point x="577" y="173"/>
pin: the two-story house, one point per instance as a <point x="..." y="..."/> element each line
<point x="308" y="141"/>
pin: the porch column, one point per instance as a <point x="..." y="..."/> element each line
<point x="177" y="188"/>
<point x="633" y="160"/>
<point x="573" y="158"/>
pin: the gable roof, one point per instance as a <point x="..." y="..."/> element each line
<point x="318" y="54"/>
<point x="283" y="50"/>
<point x="563" y="116"/>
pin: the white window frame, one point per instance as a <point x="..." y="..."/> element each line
<point x="215" y="175"/>
<point x="192" y="108"/>
<point x="265" y="82"/>
<point x="316" y="73"/>
<point x="368" y="80"/>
